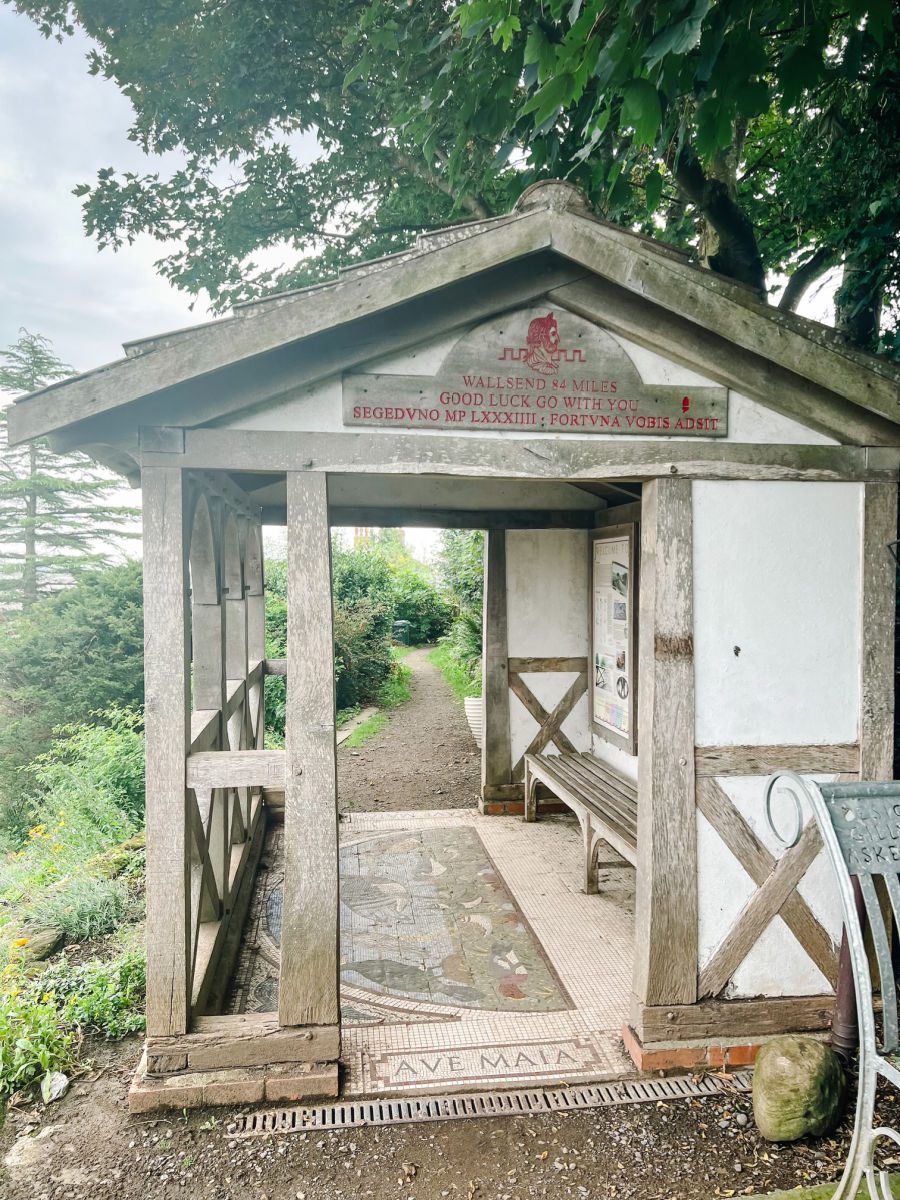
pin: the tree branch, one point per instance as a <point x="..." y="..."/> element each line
<point x="805" y="275"/>
<point x="737" y="254"/>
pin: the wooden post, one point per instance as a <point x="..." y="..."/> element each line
<point x="308" y="992"/>
<point x="879" y="598"/>
<point x="167" y="727"/>
<point x="666" y="901"/>
<point x="496" y="752"/>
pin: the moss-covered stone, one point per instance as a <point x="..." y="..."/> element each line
<point x="798" y="1089"/>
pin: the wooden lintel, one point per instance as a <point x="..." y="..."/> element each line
<point x="235" y="768"/>
<point x="568" y="459"/>
<point x="453" y="518"/>
<point x="622" y="514"/>
<point x="764" y="760"/>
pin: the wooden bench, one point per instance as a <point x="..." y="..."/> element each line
<point x="860" y="827"/>
<point x="604" y="802"/>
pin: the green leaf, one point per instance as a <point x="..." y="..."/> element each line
<point x="679" y="37"/>
<point x="506" y="30"/>
<point x="653" y="186"/>
<point x="642" y="110"/>
<point x="549" y="99"/>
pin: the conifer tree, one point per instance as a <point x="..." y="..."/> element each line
<point x="56" y="519"/>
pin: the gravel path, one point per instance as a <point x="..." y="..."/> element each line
<point x="684" y="1150"/>
<point x="424" y="757"/>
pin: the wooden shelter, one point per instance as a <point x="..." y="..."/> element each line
<point x="688" y="497"/>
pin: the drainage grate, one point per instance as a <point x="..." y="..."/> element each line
<point x="485" y="1104"/>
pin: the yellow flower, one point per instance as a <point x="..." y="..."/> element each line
<point x="46" y="998"/>
<point x="14" y="993"/>
<point x="23" y="941"/>
<point x="56" y="847"/>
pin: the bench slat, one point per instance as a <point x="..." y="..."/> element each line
<point x="599" y="792"/>
<point x="605" y="797"/>
<point x="600" y="783"/>
<point x="602" y="771"/>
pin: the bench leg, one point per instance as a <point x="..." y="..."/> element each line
<point x="591" y="885"/>
<point x="530" y="813"/>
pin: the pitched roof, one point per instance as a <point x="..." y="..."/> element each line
<point x="550" y="216"/>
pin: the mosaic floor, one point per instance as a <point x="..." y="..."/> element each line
<point x="469" y="954"/>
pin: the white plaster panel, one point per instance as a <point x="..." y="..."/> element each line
<point x="547" y="592"/>
<point x="777" y="575"/>
<point x="777" y="966"/>
<point x="314" y="409"/>
<point x="654" y="368"/>
<point x="547" y="616"/>
<point x="750" y="421"/>
<point x="424" y="359"/>
<point x="626" y="764"/>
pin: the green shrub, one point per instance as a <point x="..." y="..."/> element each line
<point x="396" y="688"/>
<point x="460" y="678"/>
<point x="362" y="651"/>
<point x="417" y="600"/>
<point x="33" y="1041"/>
<point x="90" y="788"/>
<point x="84" y="906"/>
<point x="63" y="659"/>
<point x="105" y="997"/>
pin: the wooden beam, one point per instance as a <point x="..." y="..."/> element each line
<point x="715" y="356"/>
<point x="242" y="1040"/>
<point x="520" y="666"/>
<point x="237" y="341"/>
<point x="622" y="514"/>
<point x="498" y="457"/>
<point x="745" y="1019"/>
<point x="167" y="731"/>
<point x="496" y="753"/>
<point x="765" y="760"/>
<point x="879" y="599"/>
<point x="666" y="900"/>
<point x="815" y="353"/>
<point x="310" y="959"/>
<point x="455" y="518"/>
<point x="236" y="768"/>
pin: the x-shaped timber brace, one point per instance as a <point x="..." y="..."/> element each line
<point x="550" y="724"/>
<point x="776" y="894"/>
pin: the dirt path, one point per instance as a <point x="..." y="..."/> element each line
<point x="424" y="757"/>
<point x="87" y="1147"/>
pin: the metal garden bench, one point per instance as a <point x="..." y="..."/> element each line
<point x="860" y="827"/>
<point x="604" y="802"/>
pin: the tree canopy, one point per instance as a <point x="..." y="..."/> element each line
<point x="55" y="519"/>
<point x="762" y="137"/>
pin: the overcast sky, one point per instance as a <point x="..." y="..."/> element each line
<point x="58" y="126"/>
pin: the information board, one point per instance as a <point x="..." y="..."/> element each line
<point x="613" y="627"/>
